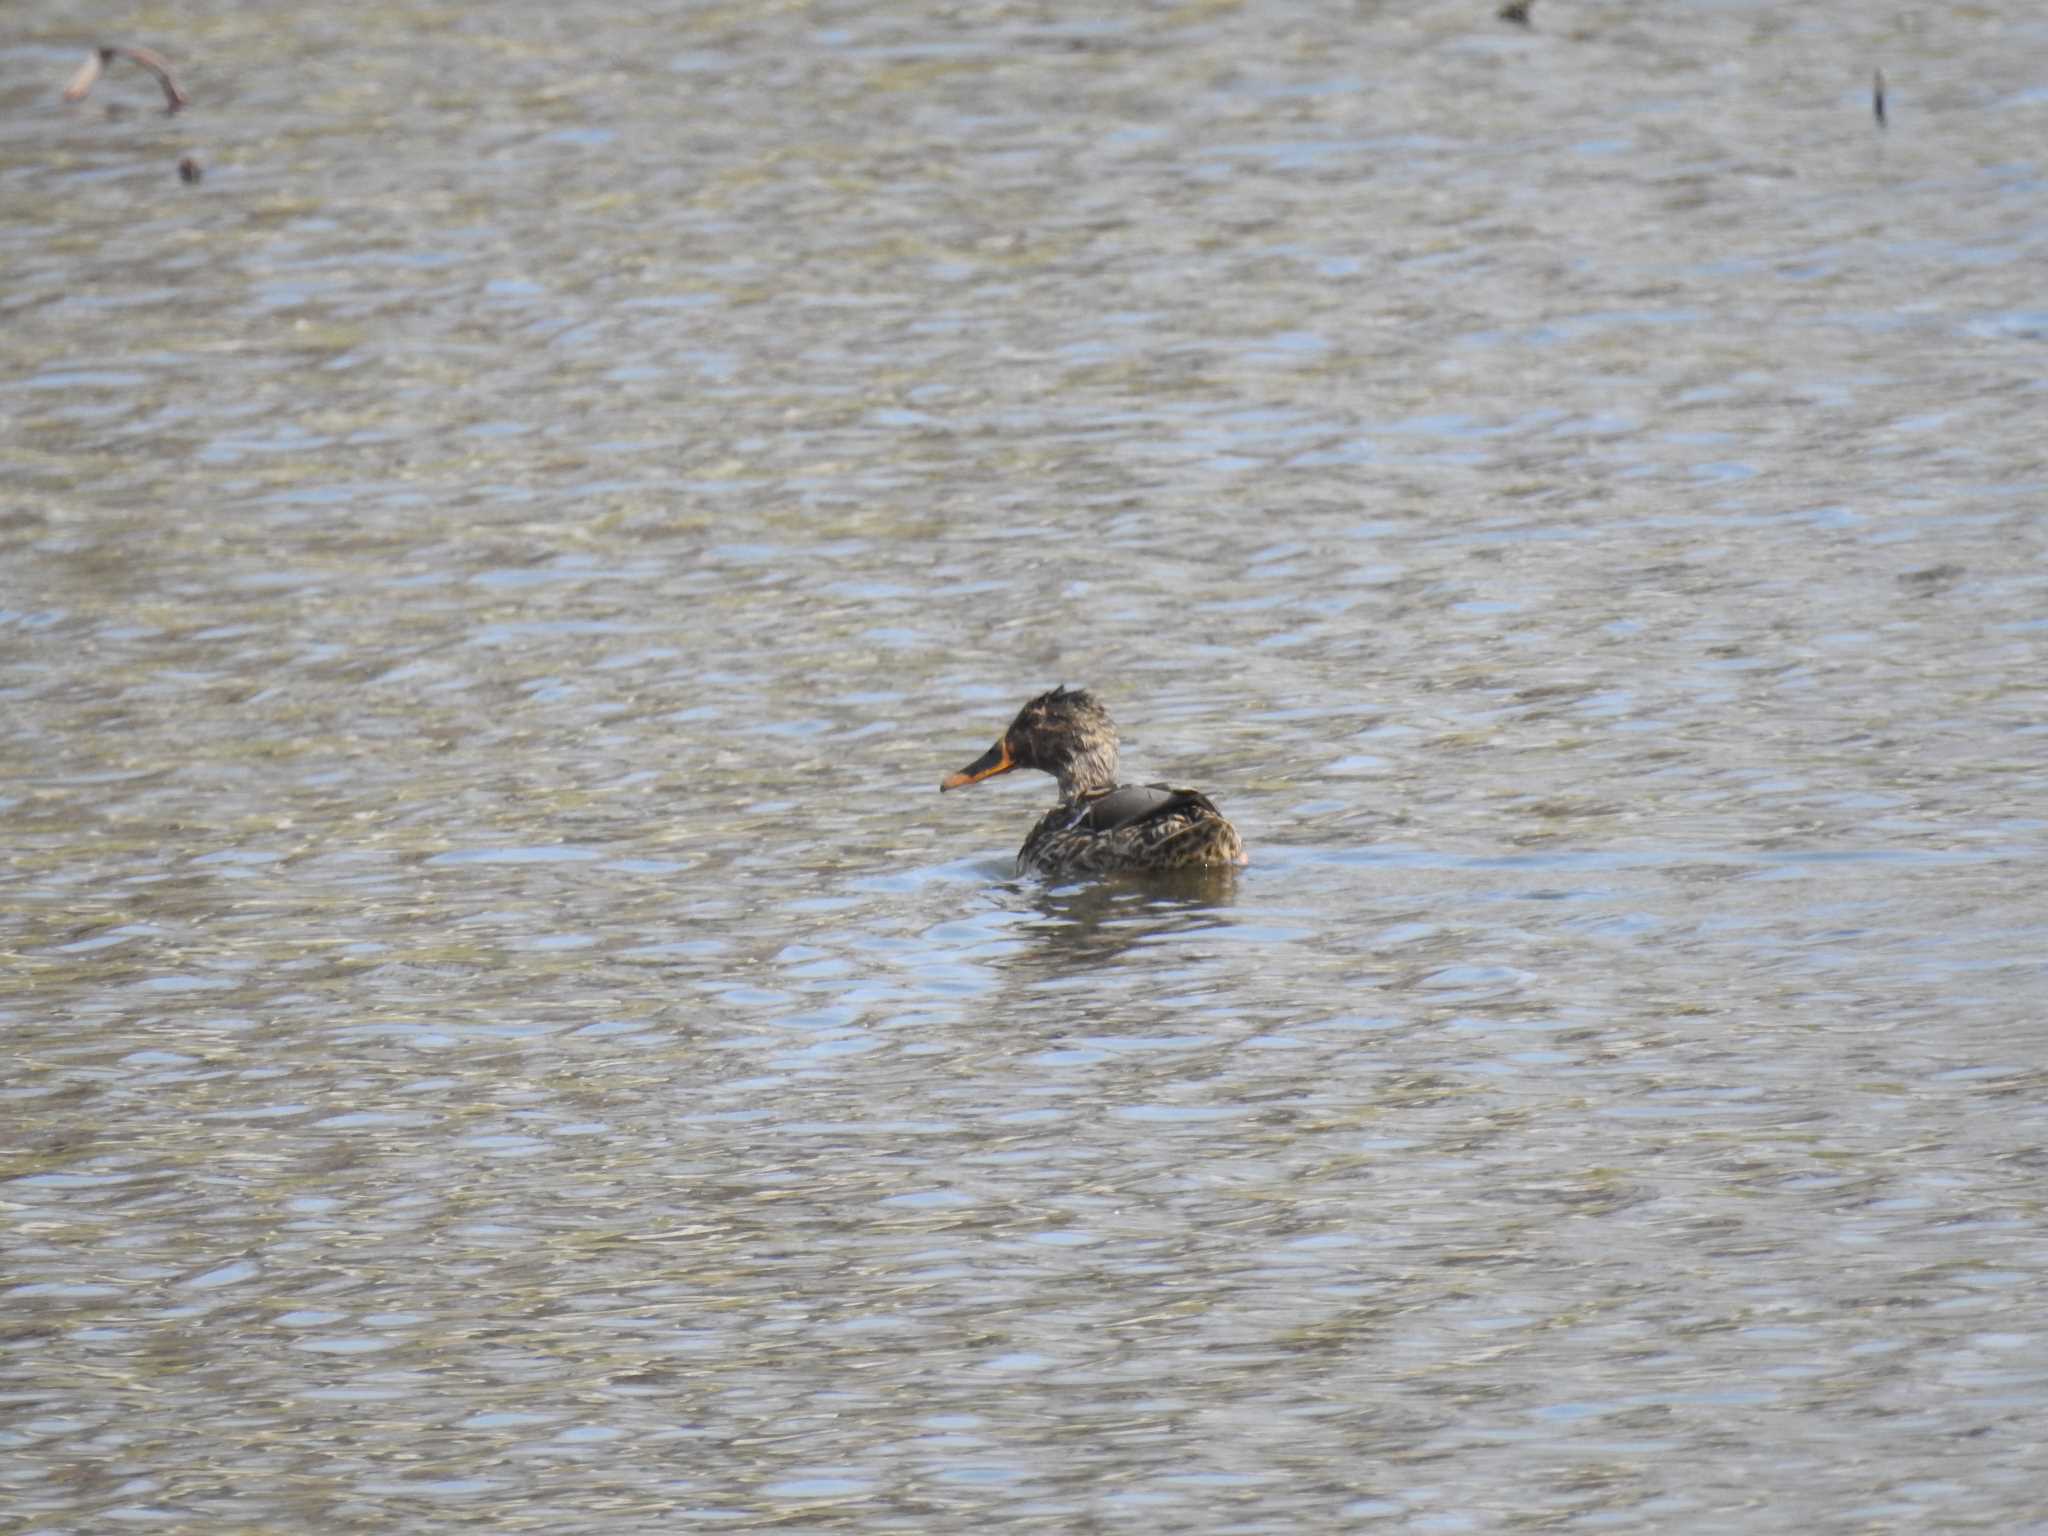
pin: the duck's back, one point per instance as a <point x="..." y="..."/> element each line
<point x="1132" y="827"/>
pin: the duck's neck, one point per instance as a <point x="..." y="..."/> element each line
<point x="1091" y="770"/>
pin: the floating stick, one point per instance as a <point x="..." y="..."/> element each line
<point x="96" y="62"/>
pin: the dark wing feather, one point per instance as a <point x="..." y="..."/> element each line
<point x="1129" y="804"/>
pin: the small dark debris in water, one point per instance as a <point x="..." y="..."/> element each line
<point x="1936" y="578"/>
<point x="1877" y="97"/>
<point x="1932" y="578"/>
<point x="1516" y="11"/>
<point x="190" y="170"/>
<point x="96" y="62"/>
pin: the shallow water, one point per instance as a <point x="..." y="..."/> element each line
<point x="503" y="1031"/>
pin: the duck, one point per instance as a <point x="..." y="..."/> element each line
<point x="1100" y="827"/>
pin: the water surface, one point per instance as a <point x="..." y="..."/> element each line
<point x="503" y="1032"/>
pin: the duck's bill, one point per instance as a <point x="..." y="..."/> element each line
<point x="995" y="760"/>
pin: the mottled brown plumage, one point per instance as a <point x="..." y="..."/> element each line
<point x="1100" y="827"/>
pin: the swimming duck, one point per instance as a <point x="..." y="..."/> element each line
<point x="1099" y="827"/>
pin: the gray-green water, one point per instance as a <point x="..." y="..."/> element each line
<point x="502" y="1033"/>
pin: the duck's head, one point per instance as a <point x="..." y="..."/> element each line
<point x="1066" y="733"/>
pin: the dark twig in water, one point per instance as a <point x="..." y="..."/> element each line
<point x="1516" y="11"/>
<point x="89" y="73"/>
<point x="1877" y="97"/>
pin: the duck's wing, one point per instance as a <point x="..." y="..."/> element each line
<point x="1127" y="805"/>
<point x="1131" y="829"/>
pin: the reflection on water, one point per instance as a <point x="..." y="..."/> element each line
<point x="502" y="1031"/>
<point x="1085" y="925"/>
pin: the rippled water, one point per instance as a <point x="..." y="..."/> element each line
<point x="502" y="1031"/>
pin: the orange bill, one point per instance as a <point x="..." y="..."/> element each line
<point x="995" y="760"/>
